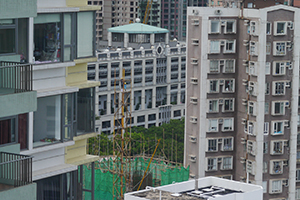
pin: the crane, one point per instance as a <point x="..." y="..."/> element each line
<point x="147" y="12"/>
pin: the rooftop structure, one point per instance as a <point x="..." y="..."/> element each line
<point x="208" y="188"/>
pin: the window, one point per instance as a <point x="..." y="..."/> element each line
<point x="277" y="147"/>
<point x="268" y="68"/>
<point x="264" y="185"/>
<point x="252" y="28"/>
<point x="229" y="66"/>
<point x="229" y="46"/>
<point x="227" y="163"/>
<point x="85" y="34"/>
<point x="266" y="128"/>
<point x="297" y="175"/>
<point x="276" y="167"/>
<point x="228" y="124"/>
<point x="278" y="128"/>
<point x="298" y="139"/>
<point x="278" y="108"/>
<point x="276" y="186"/>
<point x="212" y="145"/>
<point x="253" y="49"/>
<point x="86" y="110"/>
<point x="266" y="108"/>
<point x="228" y="85"/>
<point x="298" y="156"/>
<point x="249" y="166"/>
<point x="278" y="88"/>
<point x="227" y="144"/>
<point x="214" y="46"/>
<point x="267" y="88"/>
<point x="54" y="120"/>
<point x="214" y="66"/>
<point x="230" y="27"/>
<point x="251" y="108"/>
<point x="280" y="49"/>
<point x="269" y="28"/>
<point x="251" y="147"/>
<point x="214" y="86"/>
<point x="268" y="48"/>
<point x="228" y="105"/>
<point x="214" y="105"/>
<point x="47" y="40"/>
<point x="8" y="36"/>
<point x="297" y="193"/>
<point x="265" y="147"/>
<point x="211" y="164"/>
<point x="213" y="125"/>
<point x="265" y="167"/>
<point x="278" y="68"/>
<point x="214" y="26"/>
<point x="280" y="28"/>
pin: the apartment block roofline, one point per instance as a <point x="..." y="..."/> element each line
<point x="137" y="28"/>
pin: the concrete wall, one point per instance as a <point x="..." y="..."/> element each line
<point x="27" y="192"/>
<point x="11" y="148"/>
<point x="52" y="3"/>
<point x="14" y="104"/>
<point x="17" y="8"/>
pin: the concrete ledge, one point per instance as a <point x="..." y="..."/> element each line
<point x="83" y="159"/>
<point x="53" y="171"/>
<point x="18" y="103"/>
<point x="84" y="136"/>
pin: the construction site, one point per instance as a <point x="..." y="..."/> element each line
<point x="124" y="172"/>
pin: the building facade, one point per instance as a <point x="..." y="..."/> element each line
<point x="154" y="68"/>
<point x="47" y="112"/>
<point x="242" y="97"/>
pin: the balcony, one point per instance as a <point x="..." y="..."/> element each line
<point x="15" y="77"/>
<point x="16" y="170"/>
<point x="16" y="94"/>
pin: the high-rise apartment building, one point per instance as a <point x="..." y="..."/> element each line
<point x="154" y="18"/>
<point x="114" y="13"/>
<point x="154" y="68"/>
<point x="46" y="102"/>
<point x="242" y="86"/>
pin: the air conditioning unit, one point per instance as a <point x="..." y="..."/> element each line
<point x="245" y="102"/>
<point x="220" y="121"/>
<point x="195" y="12"/>
<point x="220" y="140"/>
<point x="290" y="25"/>
<point x="223" y="23"/>
<point x="222" y="62"/>
<point x="194" y="80"/>
<point x="193" y="158"/>
<point x="221" y="82"/>
<point x="220" y="101"/>
<point x="287" y="104"/>
<point x="245" y="82"/>
<point x="243" y="160"/>
<point x="285" y="183"/>
<point x="244" y="121"/>
<point x="218" y="12"/>
<point x="288" y="44"/>
<point x="287" y="123"/>
<point x="286" y="143"/>
<point x="193" y="119"/>
<point x="222" y="42"/>
<point x="194" y="100"/>
<point x="193" y="139"/>
<point x="219" y="160"/>
<point x="285" y="162"/>
<point x="246" y="43"/>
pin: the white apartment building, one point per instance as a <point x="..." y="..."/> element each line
<point x="154" y="68"/>
<point x="242" y="85"/>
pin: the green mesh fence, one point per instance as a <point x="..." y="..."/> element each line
<point x="158" y="174"/>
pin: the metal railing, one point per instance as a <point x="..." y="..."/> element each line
<point x="15" y="76"/>
<point x="15" y="169"/>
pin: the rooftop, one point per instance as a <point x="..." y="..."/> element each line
<point x="137" y="28"/>
<point x="210" y="188"/>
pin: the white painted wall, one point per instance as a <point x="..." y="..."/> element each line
<point x="51" y="4"/>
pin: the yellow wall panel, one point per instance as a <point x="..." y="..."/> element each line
<point x="76" y="150"/>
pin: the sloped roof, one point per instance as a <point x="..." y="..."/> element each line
<point x="136" y="28"/>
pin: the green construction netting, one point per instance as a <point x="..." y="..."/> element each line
<point x="158" y="174"/>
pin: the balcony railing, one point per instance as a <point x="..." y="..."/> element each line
<point x="15" y="77"/>
<point x="15" y="169"/>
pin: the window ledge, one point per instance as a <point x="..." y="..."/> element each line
<point x="48" y="148"/>
<point x="85" y="136"/>
<point x="52" y="65"/>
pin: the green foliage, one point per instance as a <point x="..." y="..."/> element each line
<point x="145" y="140"/>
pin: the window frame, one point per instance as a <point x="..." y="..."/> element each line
<point x="210" y="101"/>
<point x="279" y="88"/>
<point x="279" y="48"/>
<point x="210" y="66"/>
<point x="224" y="146"/>
<point x="215" y="129"/>
<point x="210" y="27"/>
<point x="270" y="29"/>
<point x="217" y="51"/>
<point x="211" y="166"/>
<point x="280" y="67"/>
<point x="212" y="81"/>
<point x="282" y="107"/>
<point x="228" y="42"/>
<point x="229" y="165"/>
<point x="226" y="66"/>
<point x="272" y="190"/>
<point x="14" y="27"/>
<point x="231" y="124"/>
<point x="212" y="147"/>
<point x="231" y="101"/>
<point x="231" y="86"/>
<point x="277" y="144"/>
<point x="233" y="27"/>
<point x="284" y="31"/>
